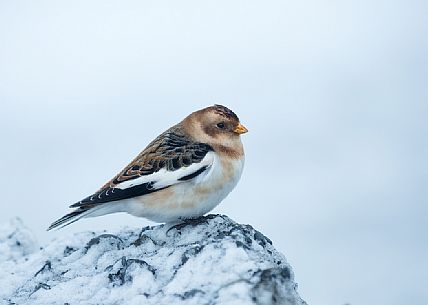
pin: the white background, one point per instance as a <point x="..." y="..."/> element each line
<point x="334" y="93"/>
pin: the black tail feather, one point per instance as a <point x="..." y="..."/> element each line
<point x="68" y="219"/>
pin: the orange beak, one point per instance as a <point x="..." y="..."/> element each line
<point x="240" y="129"/>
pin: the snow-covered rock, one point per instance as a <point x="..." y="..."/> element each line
<point x="211" y="260"/>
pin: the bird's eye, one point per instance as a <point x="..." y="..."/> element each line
<point x="220" y="125"/>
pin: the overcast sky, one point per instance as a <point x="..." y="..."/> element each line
<point x="334" y="93"/>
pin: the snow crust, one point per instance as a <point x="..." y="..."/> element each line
<point x="211" y="260"/>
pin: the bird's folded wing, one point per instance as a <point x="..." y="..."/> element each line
<point x="169" y="159"/>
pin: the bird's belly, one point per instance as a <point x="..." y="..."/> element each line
<point x="192" y="198"/>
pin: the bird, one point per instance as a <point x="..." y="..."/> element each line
<point x="181" y="175"/>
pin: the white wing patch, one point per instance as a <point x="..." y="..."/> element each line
<point x="163" y="177"/>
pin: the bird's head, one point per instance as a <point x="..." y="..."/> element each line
<point x="216" y="125"/>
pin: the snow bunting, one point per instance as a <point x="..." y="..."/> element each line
<point x="183" y="174"/>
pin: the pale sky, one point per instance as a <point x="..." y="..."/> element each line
<point x="334" y="93"/>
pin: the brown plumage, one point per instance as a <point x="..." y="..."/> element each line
<point x="181" y="161"/>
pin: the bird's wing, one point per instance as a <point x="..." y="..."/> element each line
<point x="170" y="159"/>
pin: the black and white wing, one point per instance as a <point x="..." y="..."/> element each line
<point x="170" y="159"/>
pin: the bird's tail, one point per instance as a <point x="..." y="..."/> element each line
<point x="86" y="210"/>
<point x="72" y="217"/>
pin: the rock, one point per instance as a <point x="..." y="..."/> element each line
<point x="16" y="241"/>
<point x="210" y="260"/>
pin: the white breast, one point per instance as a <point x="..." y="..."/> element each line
<point x="191" y="198"/>
<point x="218" y="182"/>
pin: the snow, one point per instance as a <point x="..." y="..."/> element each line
<point x="16" y="241"/>
<point x="211" y="260"/>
